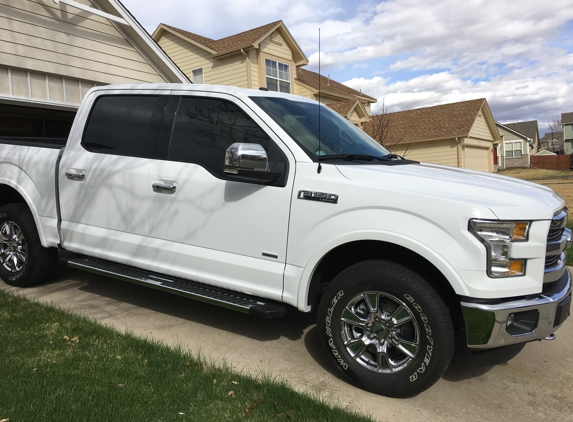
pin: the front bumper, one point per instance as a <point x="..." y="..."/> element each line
<point x="490" y="325"/>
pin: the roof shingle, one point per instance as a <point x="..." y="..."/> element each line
<point x="529" y="129"/>
<point x="327" y="85"/>
<point x="233" y="42"/>
<point x="428" y="123"/>
<point x="566" y="118"/>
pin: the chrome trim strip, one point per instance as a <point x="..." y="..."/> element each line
<point x="559" y="220"/>
<point x="554" y="273"/>
<point x="558" y="246"/>
<point x="486" y="323"/>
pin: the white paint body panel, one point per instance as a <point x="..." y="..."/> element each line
<point x="215" y="231"/>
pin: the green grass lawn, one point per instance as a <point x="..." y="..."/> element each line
<point x="55" y="366"/>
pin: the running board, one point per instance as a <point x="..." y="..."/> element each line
<point x="251" y="305"/>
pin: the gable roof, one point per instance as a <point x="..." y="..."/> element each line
<point x="453" y="120"/>
<point x="122" y="19"/>
<point x="329" y="86"/>
<point x="529" y="129"/>
<point x="513" y="131"/>
<point x="566" y="118"/>
<point x="345" y="108"/>
<point x="233" y="43"/>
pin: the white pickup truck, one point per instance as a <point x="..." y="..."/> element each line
<point x="261" y="201"/>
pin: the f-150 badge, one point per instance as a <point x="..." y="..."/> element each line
<point x="331" y="198"/>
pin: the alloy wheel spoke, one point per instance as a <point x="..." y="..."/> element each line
<point x="356" y="347"/>
<point x="349" y="316"/>
<point x="401" y="316"/>
<point x="384" y="363"/>
<point x="408" y="347"/>
<point x="371" y="300"/>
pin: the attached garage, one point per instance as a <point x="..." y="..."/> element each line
<point x="457" y="134"/>
<point x="53" y="53"/>
<point x="477" y="158"/>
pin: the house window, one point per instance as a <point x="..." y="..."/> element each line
<point x="513" y="149"/>
<point x="278" y="76"/>
<point x="197" y="76"/>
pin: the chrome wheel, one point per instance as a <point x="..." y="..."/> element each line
<point x="13" y="247"/>
<point x="380" y="332"/>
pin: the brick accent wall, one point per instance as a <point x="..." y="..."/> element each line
<point x="516" y="162"/>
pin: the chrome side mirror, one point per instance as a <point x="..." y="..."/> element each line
<point x="244" y="156"/>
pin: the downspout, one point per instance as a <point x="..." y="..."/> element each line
<point x="248" y="64"/>
<point x="459" y="149"/>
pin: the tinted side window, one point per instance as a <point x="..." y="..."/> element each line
<point x="124" y="125"/>
<point x="205" y="128"/>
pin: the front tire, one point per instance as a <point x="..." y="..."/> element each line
<point x="386" y="329"/>
<point x="23" y="260"/>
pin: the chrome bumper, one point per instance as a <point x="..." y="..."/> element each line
<point x="492" y="325"/>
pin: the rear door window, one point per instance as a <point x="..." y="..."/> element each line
<point x="124" y="125"/>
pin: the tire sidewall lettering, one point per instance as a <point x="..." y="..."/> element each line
<point x="328" y="330"/>
<point x="428" y="334"/>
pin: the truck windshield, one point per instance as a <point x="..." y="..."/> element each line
<point x="339" y="139"/>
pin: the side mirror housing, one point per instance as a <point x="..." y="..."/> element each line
<point x="249" y="163"/>
<point x="241" y="156"/>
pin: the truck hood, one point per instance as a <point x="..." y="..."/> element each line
<point x="507" y="198"/>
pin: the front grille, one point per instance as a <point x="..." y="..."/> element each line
<point x="555" y="258"/>
<point x="551" y="261"/>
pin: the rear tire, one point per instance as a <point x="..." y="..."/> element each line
<point x="23" y="260"/>
<point x="386" y="329"/>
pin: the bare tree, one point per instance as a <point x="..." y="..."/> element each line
<point x="556" y="128"/>
<point x="381" y="130"/>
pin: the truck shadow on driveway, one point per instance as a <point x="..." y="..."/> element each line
<point x="118" y="299"/>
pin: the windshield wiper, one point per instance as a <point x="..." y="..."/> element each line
<point x="351" y="157"/>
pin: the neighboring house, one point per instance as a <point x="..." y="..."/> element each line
<point x="266" y="57"/>
<point x="551" y="142"/>
<point x="457" y="134"/>
<point x="514" y="149"/>
<point x="567" y="123"/>
<point x="52" y="53"/>
<point x="529" y="129"/>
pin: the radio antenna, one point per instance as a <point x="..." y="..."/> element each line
<point x="319" y="169"/>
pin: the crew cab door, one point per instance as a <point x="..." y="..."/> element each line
<point x="204" y="224"/>
<point x="103" y="176"/>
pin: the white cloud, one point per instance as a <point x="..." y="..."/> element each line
<point x="517" y="54"/>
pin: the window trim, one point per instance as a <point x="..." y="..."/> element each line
<point x="506" y="149"/>
<point x="263" y="70"/>
<point x="202" y="75"/>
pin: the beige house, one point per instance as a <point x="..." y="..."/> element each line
<point x="53" y="51"/>
<point x="266" y="57"/>
<point x="457" y="134"/>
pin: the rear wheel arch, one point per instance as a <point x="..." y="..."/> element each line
<point x="11" y="195"/>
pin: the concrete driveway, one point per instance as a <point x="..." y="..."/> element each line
<point x="537" y="385"/>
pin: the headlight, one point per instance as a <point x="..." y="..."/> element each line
<point x="497" y="236"/>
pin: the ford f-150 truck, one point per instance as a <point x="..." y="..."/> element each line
<point x="261" y="201"/>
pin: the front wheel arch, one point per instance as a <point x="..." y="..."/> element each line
<point x="348" y="254"/>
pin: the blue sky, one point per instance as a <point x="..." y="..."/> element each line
<point x="411" y="53"/>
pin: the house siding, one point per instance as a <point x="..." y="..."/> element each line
<point x="510" y="162"/>
<point x="442" y="152"/>
<point x="186" y="55"/>
<point x="230" y="71"/>
<point x="57" y="39"/>
<point x="479" y="129"/>
<point x="303" y="91"/>
<point x="276" y="46"/>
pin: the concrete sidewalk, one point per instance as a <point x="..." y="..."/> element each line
<point x="536" y="385"/>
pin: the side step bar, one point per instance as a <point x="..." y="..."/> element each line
<point x="251" y="305"/>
